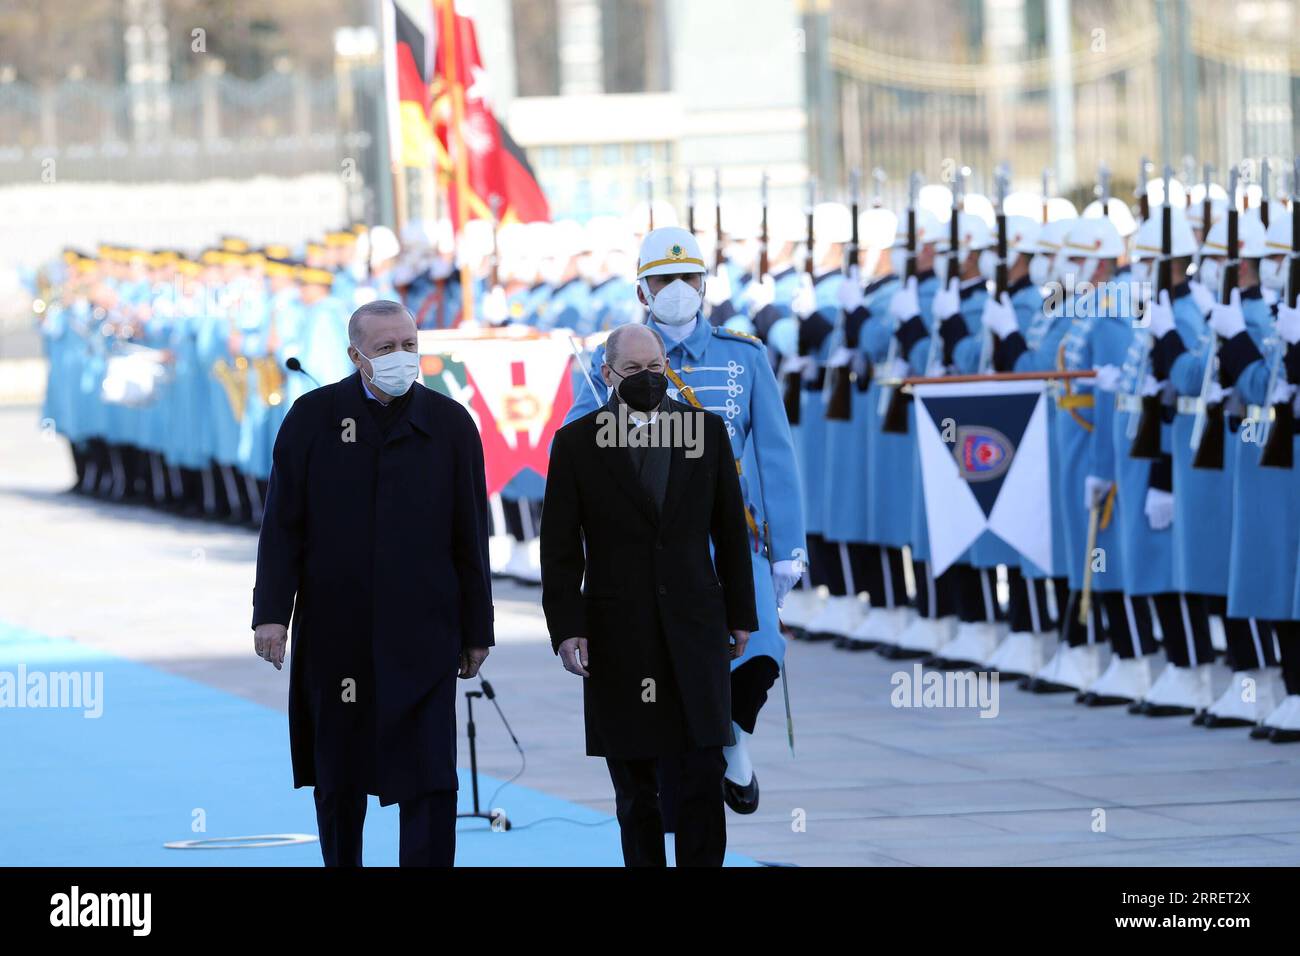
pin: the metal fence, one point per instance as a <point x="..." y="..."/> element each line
<point x="1230" y="86"/>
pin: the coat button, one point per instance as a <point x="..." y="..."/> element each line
<point x="662" y="589"/>
<point x="658" y="546"/>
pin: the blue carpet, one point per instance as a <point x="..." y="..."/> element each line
<point x="167" y="752"/>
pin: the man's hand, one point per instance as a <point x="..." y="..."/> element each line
<point x="471" y="659"/>
<point x="573" y="653"/>
<point x="739" y="640"/>
<point x="269" y="640"/>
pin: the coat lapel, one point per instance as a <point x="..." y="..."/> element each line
<point x="680" y="468"/>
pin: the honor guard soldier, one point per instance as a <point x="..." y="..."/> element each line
<point x="1188" y="358"/>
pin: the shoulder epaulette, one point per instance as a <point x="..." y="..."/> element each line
<point x="736" y="333"/>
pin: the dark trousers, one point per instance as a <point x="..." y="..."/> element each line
<point x="427" y="828"/>
<point x="701" y="835"/>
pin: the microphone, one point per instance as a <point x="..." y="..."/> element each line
<point x="293" y="365"/>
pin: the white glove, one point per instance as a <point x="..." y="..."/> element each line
<point x="495" y="309"/>
<point x="718" y="289"/>
<point x="1288" y="324"/>
<point x="1108" y="377"/>
<point x="1282" y="392"/>
<point x="1151" y="385"/>
<point x="900" y="369"/>
<point x="1215" y="394"/>
<point x="999" y="317"/>
<point x="785" y="575"/>
<point x="841" y="356"/>
<point x="1205" y="298"/>
<point x="1228" y="320"/>
<point x="850" y="291"/>
<point x="1159" y="509"/>
<point x="905" y="303"/>
<point x="947" y="301"/>
<point x="1094" y="491"/>
<point x="759" y="294"/>
<point x="805" y="300"/>
<point x="1160" y="316"/>
<point x="793" y="364"/>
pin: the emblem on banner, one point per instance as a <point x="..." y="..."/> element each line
<point x="523" y="410"/>
<point x="982" y="453"/>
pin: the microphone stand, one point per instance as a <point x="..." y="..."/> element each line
<point x="477" y="813"/>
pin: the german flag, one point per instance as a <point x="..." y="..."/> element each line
<point x="408" y="66"/>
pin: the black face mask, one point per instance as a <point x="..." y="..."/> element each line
<point x="643" y="390"/>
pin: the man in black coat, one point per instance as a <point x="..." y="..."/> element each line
<point x="635" y="493"/>
<point x="374" y="542"/>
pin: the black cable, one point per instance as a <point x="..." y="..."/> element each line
<point x="490" y="694"/>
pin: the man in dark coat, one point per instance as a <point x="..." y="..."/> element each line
<point x="374" y="542"/>
<point x="635" y="493"/>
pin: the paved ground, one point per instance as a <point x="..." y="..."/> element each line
<point x="1044" y="782"/>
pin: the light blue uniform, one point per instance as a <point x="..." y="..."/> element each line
<point x="1202" y="514"/>
<point x="1148" y="554"/>
<point x="1265" y="501"/>
<point x="731" y="376"/>
<point x="1085" y="447"/>
<point x="846" y="484"/>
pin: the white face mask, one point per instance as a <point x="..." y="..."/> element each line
<point x="1040" y="270"/>
<point x="898" y="259"/>
<point x="1074" y="276"/>
<point x="1271" y="274"/>
<point x="1209" y="274"/>
<point x="989" y="263"/>
<point x="394" y="373"/>
<point x="676" y="304"/>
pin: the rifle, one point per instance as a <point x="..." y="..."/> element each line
<point x="1207" y="208"/>
<point x="893" y="400"/>
<point x="650" y="199"/>
<point x="1144" y="429"/>
<point x="718" y="257"/>
<point x="1001" y="177"/>
<point x="1144" y="198"/>
<point x="762" y="234"/>
<point x="1208" y="428"/>
<point x="954" y="271"/>
<point x="793" y="381"/>
<point x="1263" y="191"/>
<point x="690" y="201"/>
<point x="1046" y="192"/>
<point x="1278" y="451"/>
<point x="839" y="404"/>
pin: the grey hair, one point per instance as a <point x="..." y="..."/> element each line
<point x="378" y="307"/>
<point x="613" y="343"/>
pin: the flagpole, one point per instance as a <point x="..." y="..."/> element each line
<point x="462" y="157"/>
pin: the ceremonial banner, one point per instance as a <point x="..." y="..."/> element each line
<point x="517" y="390"/>
<point x="985" y="467"/>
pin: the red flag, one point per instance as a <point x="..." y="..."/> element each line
<point x="477" y="158"/>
